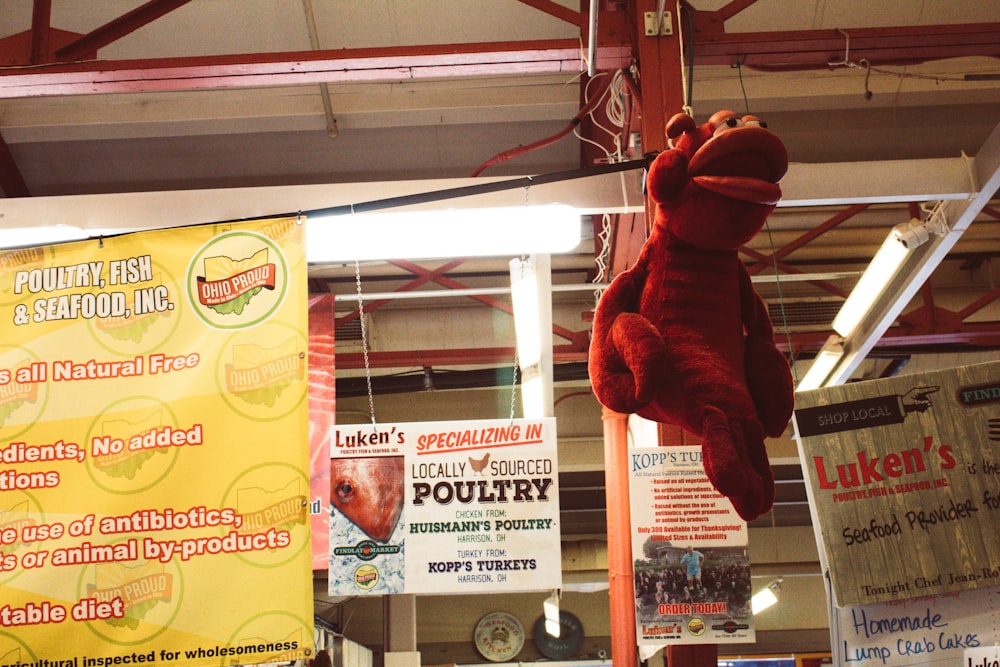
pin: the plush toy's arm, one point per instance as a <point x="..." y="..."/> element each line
<point x="625" y="347"/>
<point x="769" y="378"/>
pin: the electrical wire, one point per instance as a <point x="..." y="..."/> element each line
<point x="614" y="111"/>
<point x="785" y="327"/>
<point x="739" y="71"/>
<point x="547" y="141"/>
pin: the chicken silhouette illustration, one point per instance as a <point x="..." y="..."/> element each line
<point x="369" y="492"/>
<point x="479" y="465"/>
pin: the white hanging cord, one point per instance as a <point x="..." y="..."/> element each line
<point x="604" y="251"/>
<point x="364" y="342"/>
<point x="614" y="109"/>
<point x="685" y="84"/>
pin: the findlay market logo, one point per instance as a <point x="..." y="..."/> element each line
<point x="237" y="280"/>
<point x="367" y="550"/>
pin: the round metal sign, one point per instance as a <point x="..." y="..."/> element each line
<point x="566" y="645"/>
<point x="499" y="636"/>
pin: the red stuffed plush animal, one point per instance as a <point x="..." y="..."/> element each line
<point x="682" y="337"/>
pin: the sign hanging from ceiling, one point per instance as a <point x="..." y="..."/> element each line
<point x="902" y="474"/>
<point x="445" y="507"/>
<point x="689" y="549"/>
<point x="154" y="470"/>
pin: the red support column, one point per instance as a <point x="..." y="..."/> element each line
<point x="624" y="651"/>
<point x="660" y="72"/>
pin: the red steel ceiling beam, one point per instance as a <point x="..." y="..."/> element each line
<point x="304" y="67"/>
<point x="450" y="283"/>
<point x="553" y="9"/>
<point x="765" y="50"/>
<point x="782" y="267"/>
<point x="41" y="15"/>
<point x="985" y="334"/>
<point x="471" y="356"/>
<point x="116" y="29"/>
<point x="770" y="260"/>
<point x="821" y="49"/>
<point x="412" y="285"/>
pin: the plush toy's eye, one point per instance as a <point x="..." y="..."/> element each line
<point x="753" y="121"/>
<point x="729" y="123"/>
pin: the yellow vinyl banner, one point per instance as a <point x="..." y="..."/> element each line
<point x="154" y="466"/>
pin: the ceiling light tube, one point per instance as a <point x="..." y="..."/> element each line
<point x="903" y="239"/>
<point x="531" y="296"/>
<point x="766" y="597"/>
<point x="883" y="268"/>
<point x="426" y="234"/>
<point x="824" y="363"/>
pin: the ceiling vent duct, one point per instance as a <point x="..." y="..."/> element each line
<point x="802" y="315"/>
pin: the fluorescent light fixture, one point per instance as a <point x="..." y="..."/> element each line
<point x="825" y="361"/>
<point x="531" y="294"/>
<point x="766" y="597"/>
<point x="903" y="239"/>
<point x="36" y="236"/>
<point x="870" y="286"/>
<point x="550" y="609"/>
<point x="425" y="234"/>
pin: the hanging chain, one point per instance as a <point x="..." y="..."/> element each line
<point x="513" y="386"/>
<point x="364" y="342"/>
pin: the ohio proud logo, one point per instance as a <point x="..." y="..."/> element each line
<point x="237" y="280"/>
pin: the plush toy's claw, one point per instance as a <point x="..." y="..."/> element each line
<point x="724" y="456"/>
<point x="747" y="505"/>
<point x="769" y="380"/>
<point x="642" y="350"/>
<point x="623" y="367"/>
<point x="736" y="464"/>
<point x="760" y="464"/>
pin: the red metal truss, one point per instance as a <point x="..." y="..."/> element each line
<point x="554" y="9"/>
<point x="803" y="345"/>
<point x="116" y="29"/>
<point x="40" y="20"/>
<point x="925" y="325"/>
<point x="424" y="276"/>
<point x="776" y="50"/>
<point x="304" y="67"/>
<point x="821" y="49"/>
<point x="439" y="278"/>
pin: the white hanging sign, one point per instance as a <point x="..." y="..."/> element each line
<point x="689" y="549"/>
<point x="445" y="507"/>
